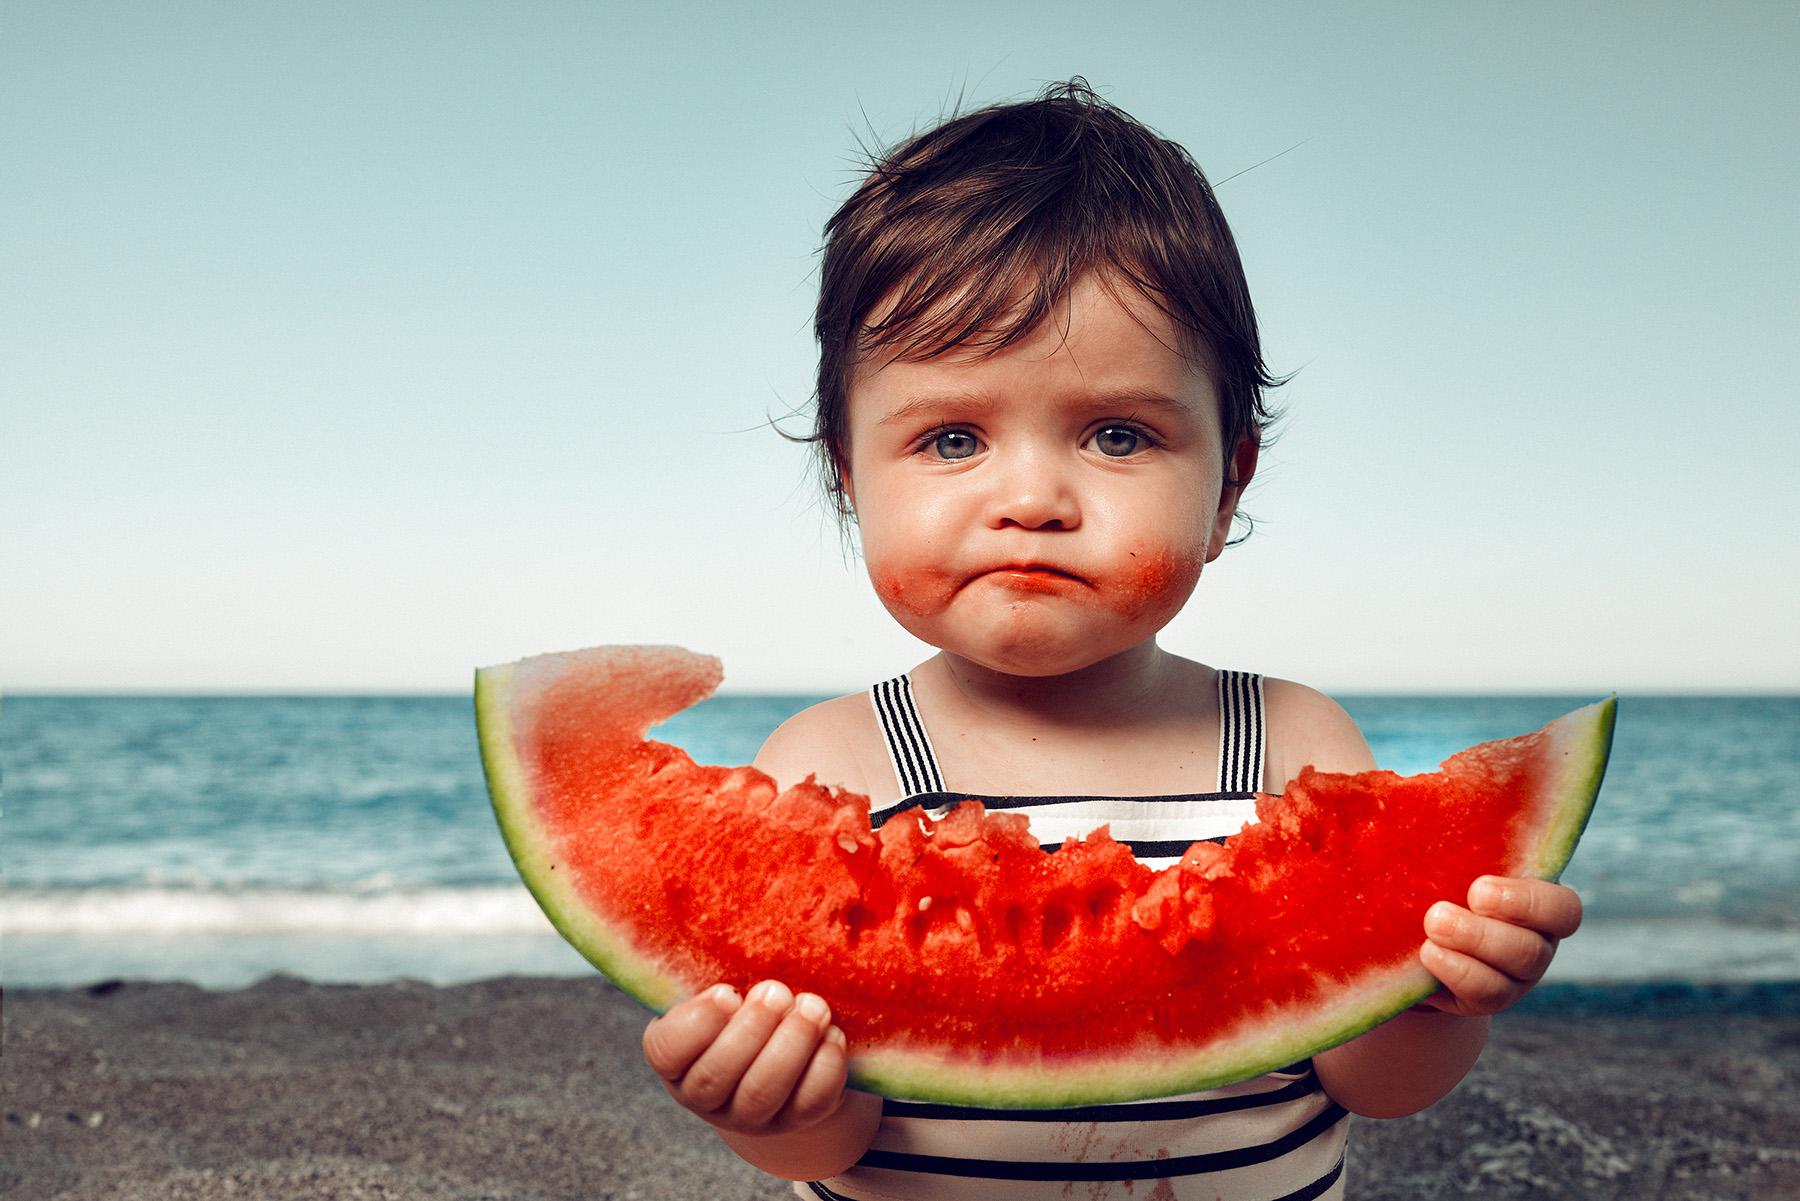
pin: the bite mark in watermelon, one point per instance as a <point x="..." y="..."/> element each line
<point x="966" y="964"/>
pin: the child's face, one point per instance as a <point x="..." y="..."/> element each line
<point x="1043" y="508"/>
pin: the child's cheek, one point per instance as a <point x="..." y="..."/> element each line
<point x="921" y="591"/>
<point x="1154" y="580"/>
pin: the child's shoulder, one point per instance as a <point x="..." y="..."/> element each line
<point x="837" y="741"/>
<point x="1308" y="728"/>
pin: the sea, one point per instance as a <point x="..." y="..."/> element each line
<point x="220" y="839"/>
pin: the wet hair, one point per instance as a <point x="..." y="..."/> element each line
<point x="973" y="232"/>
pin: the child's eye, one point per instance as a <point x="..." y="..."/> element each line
<point x="1119" y="441"/>
<point x="953" y="444"/>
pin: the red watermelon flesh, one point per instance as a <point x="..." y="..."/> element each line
<point x="965" y="963"/>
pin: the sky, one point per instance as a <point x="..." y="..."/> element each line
<point x="348" y="347"/>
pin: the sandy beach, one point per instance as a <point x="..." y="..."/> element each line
<point x="516" y="1089"/>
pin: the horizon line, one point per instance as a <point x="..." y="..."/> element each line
<point x="402" y="693"/>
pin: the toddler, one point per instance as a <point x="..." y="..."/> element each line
<point x="1039" y="400"/>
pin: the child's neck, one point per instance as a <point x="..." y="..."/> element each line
<point x="1115" y="690"/>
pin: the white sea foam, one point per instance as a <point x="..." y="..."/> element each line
<point x="1613" y="951"/>
<point x="425" y="912"/>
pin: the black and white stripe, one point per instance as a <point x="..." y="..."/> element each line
<point x="1156" y="829"/>
<point x="1242" y="738"/>
<point x="1325" y="1186"/>
<point x="1241" y="735"/>
<point x="1271" y="1139"/>
<point x="909" y="748"/>
<point x="1156" y="1168"/>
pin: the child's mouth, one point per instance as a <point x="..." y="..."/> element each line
<point x="1035" y="578"/>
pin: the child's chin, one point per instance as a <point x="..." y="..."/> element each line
<point x="1042" y="660"/>
<point x="1034" y="639"/>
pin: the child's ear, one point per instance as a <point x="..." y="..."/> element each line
<point x="1238" y="470"/>
<point x="1243" y="463"/>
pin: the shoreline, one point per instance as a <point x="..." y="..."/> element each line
<point x="1656" y="998"/>
<point x="531" y="1088"/>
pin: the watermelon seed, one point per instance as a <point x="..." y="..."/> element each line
<point x="1104" y="901"/>
<point x="857" y="920"/>
<point x="1015" y="925"/>
<point x="924" y="904"/>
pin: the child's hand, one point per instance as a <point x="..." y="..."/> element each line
<point x="1489" y="955"/>
<point x="768" y="1064"/>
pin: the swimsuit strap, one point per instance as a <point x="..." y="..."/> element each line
<point x="908" y="746"/>
<point x="1241" y="734"/>
<point x="1241" y="731"/>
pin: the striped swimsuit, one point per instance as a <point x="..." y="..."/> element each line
<point x="1275" y="1138"/>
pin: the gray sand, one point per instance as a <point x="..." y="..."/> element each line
<point x="518" y="1088"/>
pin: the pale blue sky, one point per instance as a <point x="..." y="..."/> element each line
<point x="350" y="346"/>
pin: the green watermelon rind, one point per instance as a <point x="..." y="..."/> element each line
<point x="531" y="845"/>
<point x="931" y="1074"/>
<point x="1586" y="737"/>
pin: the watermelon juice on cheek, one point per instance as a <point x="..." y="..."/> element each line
<point x="1157" y="580"/>
<point x="920" y="591"/>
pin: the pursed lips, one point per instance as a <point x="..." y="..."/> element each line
<point x="1032" y="574"/>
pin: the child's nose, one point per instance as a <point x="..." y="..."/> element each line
<point x="1033" y="498"/>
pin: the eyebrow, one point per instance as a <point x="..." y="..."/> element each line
<point x="955" y="402"/>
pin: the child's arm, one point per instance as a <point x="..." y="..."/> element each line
<point x="1486" y="956"/>
<point x="768" y="1073"/>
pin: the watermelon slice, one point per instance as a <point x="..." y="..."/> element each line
<point x="966" y="964"/>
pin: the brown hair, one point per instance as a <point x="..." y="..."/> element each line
<point x="977" y="228"/>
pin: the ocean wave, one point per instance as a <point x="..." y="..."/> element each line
<point x="1666" y="999"/>
<point x="423" y="912"/>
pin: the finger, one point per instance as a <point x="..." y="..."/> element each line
<point x="1479" y="989"/>
<point x="1441" y="1001"/>
<point x="1553" y="910"/>
<point x="673" y="1041"/>
<point x="821" y="1089"/>
<point x="709" y="1082"/>
<point x="1515" y="951"/>
<point x="769" y="1081"/>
